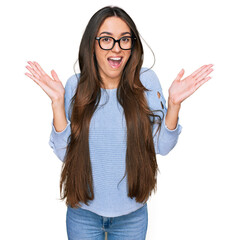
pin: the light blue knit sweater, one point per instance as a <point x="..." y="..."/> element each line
<point x="107" y="145"/>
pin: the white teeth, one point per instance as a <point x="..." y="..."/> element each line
<point x="115" y="58"/>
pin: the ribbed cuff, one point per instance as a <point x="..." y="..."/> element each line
<point x="167" y="134"/>
<point x="60" y="138"/>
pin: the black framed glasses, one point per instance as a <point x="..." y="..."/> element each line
<point x="107" y="43"/>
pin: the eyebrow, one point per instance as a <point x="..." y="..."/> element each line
<point x="124" y="33"/>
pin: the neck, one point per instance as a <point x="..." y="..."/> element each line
<point x="110" y="83"/>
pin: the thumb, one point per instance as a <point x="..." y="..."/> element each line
<point x="180" y="75"/>
<point x="54" y="75"/>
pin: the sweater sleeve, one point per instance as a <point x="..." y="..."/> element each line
<point x="165" y="139"/>
<point x="59" y="140"/>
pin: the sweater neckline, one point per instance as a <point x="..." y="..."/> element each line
<point x="109" y="89"/>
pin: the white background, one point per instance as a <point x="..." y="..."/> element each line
<point x="197" y="194"/>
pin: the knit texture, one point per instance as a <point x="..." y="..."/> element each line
<point x="107" y="144"/>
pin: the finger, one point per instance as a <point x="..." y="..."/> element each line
<point x="34" y="68"/>
<point x="199" y="84"/>
<point x="39" y="68"/>
<point x="33" y="72"/>
<point x="202" y="76"/>
<point x="198" y="70"/>
<point x="54" y="75"/>
<point x="203" y="71"/>
<point x="33" y="78"/>
<point x="180" y="75"/>
<point x="44" y="87"/>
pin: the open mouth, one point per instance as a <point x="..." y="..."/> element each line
<point x="115" y="62"/>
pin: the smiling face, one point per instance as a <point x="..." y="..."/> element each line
<point x="112" y="62"/>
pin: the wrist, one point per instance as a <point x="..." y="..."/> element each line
<point x="57" y="103"/>
<point x="172" y="105"/>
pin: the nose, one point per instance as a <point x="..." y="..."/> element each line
<point x="116" y="47"/>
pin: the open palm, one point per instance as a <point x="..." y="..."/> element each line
<point x="53" y="87"/>
<point x="182" y="89"/>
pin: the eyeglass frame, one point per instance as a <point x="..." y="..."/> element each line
<point x="115" y="41"/>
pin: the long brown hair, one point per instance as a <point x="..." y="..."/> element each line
<point x="141" y="167"/>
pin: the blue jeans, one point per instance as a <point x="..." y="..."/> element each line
<point x="84" y="224"/>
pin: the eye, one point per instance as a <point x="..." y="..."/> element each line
<point x="125" y="39"/>
<point x="106" y="39"/>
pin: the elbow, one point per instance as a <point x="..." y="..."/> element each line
<point x="59" y="152"/>
<point x="165" y="148"/>
<point x="51" y="143"/>
<point x="163" y="152"/>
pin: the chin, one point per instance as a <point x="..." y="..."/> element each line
<point x="114" y="73"/>
<point x="113" y="76"/>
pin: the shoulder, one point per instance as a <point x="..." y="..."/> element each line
<point x="149" y="79"/>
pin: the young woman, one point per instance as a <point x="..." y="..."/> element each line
<point x="109" y="122"/>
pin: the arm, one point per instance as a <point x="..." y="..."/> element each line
<point x="172" y="115"/>
<point x="59" y="116"/>
<point x="61" y="120"/>
<point x="179" y="90"/>
<point x="166" y="138"/>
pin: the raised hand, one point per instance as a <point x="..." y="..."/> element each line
<point x="181" y="89"/>
<point x="53" y="87"/>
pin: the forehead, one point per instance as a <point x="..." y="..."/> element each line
<point x="114" y="25"/>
